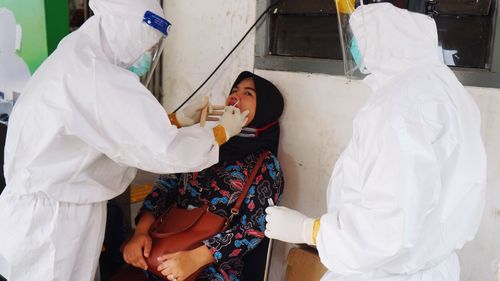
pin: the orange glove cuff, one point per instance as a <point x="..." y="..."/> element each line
<point x="173" y="120"/>
<point x="220" y="134"/>
<point x="315" y="230"/>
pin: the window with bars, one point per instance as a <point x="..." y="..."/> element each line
<point x="305" y="32"/>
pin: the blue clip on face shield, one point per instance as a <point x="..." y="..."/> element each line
<point x="157" y="22"/>
<point x="146" y="64"/>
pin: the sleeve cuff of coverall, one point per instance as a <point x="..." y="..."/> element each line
<point x="307" y="231"/>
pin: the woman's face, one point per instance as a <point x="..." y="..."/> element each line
<point x="245" y="93"/>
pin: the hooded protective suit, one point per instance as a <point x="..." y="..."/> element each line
<point x="76" y="136"/>
<point x="409" y="188"/>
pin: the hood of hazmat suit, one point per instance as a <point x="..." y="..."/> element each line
<point x="85" y="123"/>
<point x="409" y="188"/>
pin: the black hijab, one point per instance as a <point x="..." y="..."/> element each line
<point x="268" y="109"/>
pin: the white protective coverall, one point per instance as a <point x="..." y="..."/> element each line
<point x="409" y="188"/>
<point x="78" y="132"/>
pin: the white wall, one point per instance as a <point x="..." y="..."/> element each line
<point x="480" y="257"/>
<point x="316" y="124"/>
<point x="202" y="33"/>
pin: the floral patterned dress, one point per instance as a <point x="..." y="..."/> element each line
<point x="220" y="186"/>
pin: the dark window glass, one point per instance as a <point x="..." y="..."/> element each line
<point x="465" y="31"/>
<point x="465" y="40"/>
<point x="306" y="36"/>
<point x="305" y="29"/>
<point x="309" y="29"/>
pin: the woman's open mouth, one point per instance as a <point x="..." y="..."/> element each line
<point x="234" y="103"/>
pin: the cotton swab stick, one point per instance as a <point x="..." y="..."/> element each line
<point x="203" y="117"/>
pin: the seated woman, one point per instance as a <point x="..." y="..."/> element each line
<point x="220" y="186"/>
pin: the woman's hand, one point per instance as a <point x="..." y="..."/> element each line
<point x="136" y="249"/>
<point x="140" y="245"/>
<point x="179" y="266"/>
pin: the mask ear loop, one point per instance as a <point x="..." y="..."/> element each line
<point x="251" y="132"/>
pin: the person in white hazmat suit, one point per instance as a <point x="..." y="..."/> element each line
<point x="77" y="134"/>
<point x="14" y="72"/>
<point x="408" y="190"/>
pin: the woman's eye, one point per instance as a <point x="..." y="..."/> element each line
<point x="247" y="93"/>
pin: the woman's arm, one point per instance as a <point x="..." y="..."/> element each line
<point x="157" y="201"/>
<point x="145" y="223"/>
<point x="139" y="246"/>
<point x="163" y="195"/>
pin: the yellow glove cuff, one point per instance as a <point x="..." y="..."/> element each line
<point x="315" y="229"/>
<point x="220" y="134"/>
<point x="173" y="120"/>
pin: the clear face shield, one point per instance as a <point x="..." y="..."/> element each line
<point x="352" y="53"/>
<point x="145" y="65"/>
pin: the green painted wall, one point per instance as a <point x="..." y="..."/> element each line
<point x="30" y="14"/>
<point x="56" y="22"/>
<point x="44" y="24"/>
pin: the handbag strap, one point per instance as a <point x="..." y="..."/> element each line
<point x="236" y="208"/>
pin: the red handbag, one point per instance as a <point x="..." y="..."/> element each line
<point x="180" y="229"/>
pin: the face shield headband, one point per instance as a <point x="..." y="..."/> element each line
<point x="146" y="64"/>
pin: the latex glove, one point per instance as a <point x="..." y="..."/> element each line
<point x="190" y="114"/>
<point x="233" y="120"/>
<point x="289" y="225"/>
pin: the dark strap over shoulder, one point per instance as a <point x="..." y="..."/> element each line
<point x="236" y="209"/>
